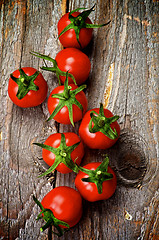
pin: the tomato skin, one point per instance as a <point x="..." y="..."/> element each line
<point x="32" y="98"/>
<point x="74" y="61"/>
<point x="97" y="140"/>
<point x="88" y="190"/>
<point x="65" y="203"/>
<point x="54" y="141"/>
<point x="68" y="39"/>
<point x="63" y="115"/>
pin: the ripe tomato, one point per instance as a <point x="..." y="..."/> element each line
<point x="27" y="87"/>
<point x="99" y="129"/>
<point x="75" y="28"/>
<point x="69" y="39"/>
<point x="60" y="150"/>
<point x="70" y="60"/>
<point x="67" y="103"/>
<point x="61" y="207"/>
<point x="89" y="190"/>
<point x="74" y="61"/>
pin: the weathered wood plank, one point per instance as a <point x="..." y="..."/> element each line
<point x="25" y="26"/>
<point x="124" y="76"/>
<point x="124" y="58"/>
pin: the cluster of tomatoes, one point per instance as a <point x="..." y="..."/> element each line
<point x="67" y="104"/>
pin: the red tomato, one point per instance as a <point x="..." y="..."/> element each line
<point x="63" y="115"/>
<point x="61" y="207"/>
<point x="97" y="140"/>
<point x="54" y="141"/>
<point x="89" y="191"/>
<point x="65" y="203"/>
<point x="74" y="61"/>
<point x="33" y="97"/>
<point x="68" y="39"/>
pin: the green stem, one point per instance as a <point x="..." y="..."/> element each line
<point x="25" y="83"/>
<point x="63" y="153"/>
<point x="100" y="123"/>
<point x="66" y="93"/>
<point x="78" y="21"/>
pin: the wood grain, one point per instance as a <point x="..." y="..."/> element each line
<point x="125" y="77"/>
<point x="26" y="26"/>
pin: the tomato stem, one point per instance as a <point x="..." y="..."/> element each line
<point x="25" y="83"/>
<point x="100" y="123"/>
<point x="66" y="93"/>
<point x="22" y="79"/>
<point x="63" y="153"/>
<point x="99" y="172"/>
<point x="78" y="21"/>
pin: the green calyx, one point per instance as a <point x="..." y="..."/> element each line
<point x="48" y="216"/>
<point x="99" y="175"/>
<point x="67" y="98"/>
<point x="62" y="155"/>
<point x="77" y="23"/>
<point x="25" y="83"/>
<point x="54" y="68"/>
<point x="102" y="124"/>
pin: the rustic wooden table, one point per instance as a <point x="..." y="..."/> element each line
<point x="125" y="77"/>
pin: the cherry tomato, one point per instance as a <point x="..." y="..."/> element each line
<point x="68" y="39"/>
<point x="75" y="29"/>
<point x="19" y="89"/>
<point x="62" y="151"/>
<point x="100" y="139"/>
<point x="89" y="191"/>
<point x="67" y="114"/>
<point x="74" y="61"/>
<point x="65" y="204"/>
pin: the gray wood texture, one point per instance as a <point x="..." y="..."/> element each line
<point x="125" y="77"/>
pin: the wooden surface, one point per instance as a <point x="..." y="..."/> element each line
<point x="125" y="77"/>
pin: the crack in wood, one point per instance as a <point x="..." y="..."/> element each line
<point x="122" y="40"/>
<point x="24" y="12"/>
<point x="108" y="88"/>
